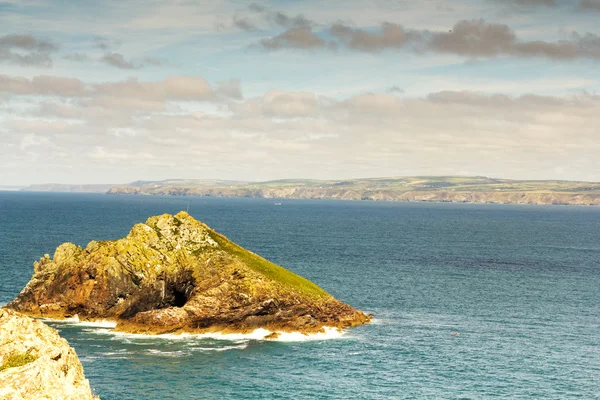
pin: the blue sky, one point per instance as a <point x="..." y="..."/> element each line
<point x="110" y="92"/>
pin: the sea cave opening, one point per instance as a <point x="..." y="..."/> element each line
<point x="180" y="298"/>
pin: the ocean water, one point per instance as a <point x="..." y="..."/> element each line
<point x="521" y="284"/>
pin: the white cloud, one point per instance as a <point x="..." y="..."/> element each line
<point x="279" y="103"/>
<point x="32" y="140"/>
<point x="282" y="134"/>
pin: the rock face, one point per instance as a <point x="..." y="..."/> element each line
<point x="175" y="274"/>
<point x="36" y="363"/>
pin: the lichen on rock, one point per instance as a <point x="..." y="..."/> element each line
<point x="36" y="363"/>
<point x="175" y="274"/>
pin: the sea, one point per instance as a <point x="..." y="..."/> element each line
<point x="470" y="301"/>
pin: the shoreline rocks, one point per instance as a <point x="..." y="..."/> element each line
<point x="36" y="363"/>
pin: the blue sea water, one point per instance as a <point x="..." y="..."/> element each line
<point x="521" y="284"/>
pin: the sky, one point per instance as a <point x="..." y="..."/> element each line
<point x="117" y="91"/>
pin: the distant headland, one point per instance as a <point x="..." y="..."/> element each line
<point x="455" y="189"/>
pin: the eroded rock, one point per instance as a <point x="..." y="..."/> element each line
<point x="36" y="363"/>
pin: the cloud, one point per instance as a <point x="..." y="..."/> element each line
<point x="123" y="96"/>
<point x="230" y="89"/>
<point x="244" y="24"/>
<point x="152" y="61"/>
<point x="390" y="36"/>
<point x="42" y="85"/>
<point x="296" y="38"/>
<point x="27" y="42"/>
<point x="26" y="50"/>
<point x="547" y="3"/>
<point x="468" y="38"/>
<point x="39" y="126"/>
<point x="281" y="19"/>
<point x="281" y="130"/>
<point x="583" y="5"/>
<point x="120" y="155"/>
<point x="118" y="60"/>
<point x="77" y="57"/>
<point x="104" y="43"/>
<point x="286" y="21"/>
<point x="374" y="104"/>
<point x="589" y="5"/>
<point x="270" y="17"/>
<point x="477" y="38"/>
<point x="256" y="7"/>
<point x="181" y="88"/>
<point x="32" y="140"/>
<point x="469" y="98"/>
<point x="474" y="38"/>
<point x="280" y="104"/>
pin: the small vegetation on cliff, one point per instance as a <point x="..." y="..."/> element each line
<point x="17" y="360"/>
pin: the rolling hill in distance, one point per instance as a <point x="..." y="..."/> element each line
<point x="476" y="189"/>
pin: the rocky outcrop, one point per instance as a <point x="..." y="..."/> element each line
<point x="36" y="363"/>
<point x="175" y="274"/>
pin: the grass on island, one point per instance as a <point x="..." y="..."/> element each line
<point x="267" y="268"/>
<point x="17" y="360"/>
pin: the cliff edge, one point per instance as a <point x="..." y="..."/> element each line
<point x="36" y="363"/>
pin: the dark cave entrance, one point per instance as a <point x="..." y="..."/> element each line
<point x="177" y="289"/>
<point x="179" y="298"/>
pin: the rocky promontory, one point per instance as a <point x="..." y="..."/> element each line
<point x="36" y="363"/>
<point x="174" y="274"/>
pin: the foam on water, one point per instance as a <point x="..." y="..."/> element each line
<point x="177" y="353"/>
<point x="223" y="348"/>
<point x="257" y="334"/>
<point x="76" y="322"/>
<point x="330" y="333"/>
<point x="107" y="327"/>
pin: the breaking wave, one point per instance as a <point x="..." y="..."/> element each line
<point x="258" y="334"/>
<point x="106" y="327"/>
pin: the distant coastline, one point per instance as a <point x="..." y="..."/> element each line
<point x="453" y="189"/>
<point x="447" y="197"/>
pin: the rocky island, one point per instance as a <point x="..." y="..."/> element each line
<point x="174" y="274"/>
<point x="36" y="363"/>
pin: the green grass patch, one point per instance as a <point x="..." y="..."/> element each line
<point x="268" y="269"/>
<point x="17" y="360"/>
